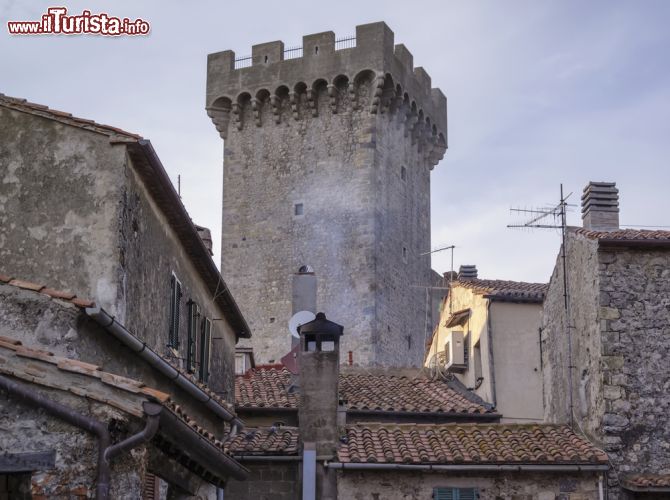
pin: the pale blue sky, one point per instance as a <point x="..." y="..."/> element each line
<point x="539" y="93"/>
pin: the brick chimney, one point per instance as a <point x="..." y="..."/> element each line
<point x="467" y="272"/>
<point x="600" y="206"/>
<point x="319" y="359"/>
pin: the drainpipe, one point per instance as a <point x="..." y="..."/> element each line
<point x="67" y="414"/>
<point x="489" y="333"/>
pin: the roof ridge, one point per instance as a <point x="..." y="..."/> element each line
<point x="23" y="105"/>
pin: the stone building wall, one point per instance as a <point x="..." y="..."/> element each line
<point x="415" y="485"/>
<point x="330" y="133"/>
<point x="267" y="481"/>
<point x="25" y="430"/>
<point x="150" y="253"/>
<point x="59" y="193"/>
<point x="621" y="344"/>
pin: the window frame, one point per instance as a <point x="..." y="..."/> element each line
<point x="455" y="493"/>
<point x="192" y="336"/>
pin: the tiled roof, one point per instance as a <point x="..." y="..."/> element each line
<point x="625" y="234"/>
<point x="265" y="441"/>
<point x="403" y="394"/>
<point x="25" y="106"/>
<point x="647" y="481"/>
<point x="467" y="444"/>
<point x="87" y="380"/>
<point x="54" y="294"/>
<point x="506" y="290"/>
<point x="266" y="387"/>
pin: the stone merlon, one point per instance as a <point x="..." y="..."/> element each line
<point x="270" y="75"/>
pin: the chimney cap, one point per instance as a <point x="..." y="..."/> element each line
<point x="321" y="325"/>
<point x="600" y="206"/>
<point x="467" y="272"/>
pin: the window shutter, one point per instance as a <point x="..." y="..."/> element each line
<point x="455" y="494"/>
<point x="177" y="316"/>
<point x="173" y="286"/>
<point x="205" y="339"/>
<point x="191" y="346"/>
<point x="150" y="489"/>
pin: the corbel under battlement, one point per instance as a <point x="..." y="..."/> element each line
<point x="364" y="73"/>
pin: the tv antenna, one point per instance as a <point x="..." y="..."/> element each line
<point x="555" y="218"/>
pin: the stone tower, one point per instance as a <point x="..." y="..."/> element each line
<point x="327" y="160"/>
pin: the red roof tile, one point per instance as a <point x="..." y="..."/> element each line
<point x="389" y="393"/>
<point x="647" y="481"/>
<point x="267" y="387"/>
<point x="467" y="444"/>
<point x="51" y="292"/>
<point x="517" y="291"/>
<point x="40" y="110"/>
<point x="625" y="234"/>
<point x="265" y="441"/>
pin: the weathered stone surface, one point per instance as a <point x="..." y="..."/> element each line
<point x="342" y="135"/>
<point x="621" y="347"/>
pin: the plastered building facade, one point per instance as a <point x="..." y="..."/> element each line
<point x="327" y="163"/>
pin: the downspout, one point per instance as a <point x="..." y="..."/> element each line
<point x="106" y="452"/>
<point x="489" y="333"/>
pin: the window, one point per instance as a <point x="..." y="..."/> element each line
<point x="403" y="173"/>
<point x="298" y="209"/>
<point x="404" y="254"/>
<point x="455" y="494"/>
<point x="175" y="302"/>
<point x="191" y="346"/>
<point x="205" y="344"/>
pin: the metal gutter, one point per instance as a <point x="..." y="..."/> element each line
<point x="199" y="448"/>
<point x="444" y="415"/>
<point x="268" y="458"/>
<point x="474" y="467"/>
<point x="152" y="411"/>
<point x="639" y="243"/>
<point x="155" y="360"/>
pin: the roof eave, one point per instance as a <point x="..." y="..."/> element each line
<point x="170" y="203"/>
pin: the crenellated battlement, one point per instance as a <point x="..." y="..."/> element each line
<point x="366" y="74"/>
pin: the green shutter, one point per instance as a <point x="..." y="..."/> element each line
<point x="191" y="346"/>
<point x="455" y="494"/>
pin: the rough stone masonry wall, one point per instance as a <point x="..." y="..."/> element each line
<point x="330" y="131"/>
<point x="150" y="252"/>
<point x="415" y="485"/>
<point x="587" y="399"/>
<point x="267" y="481"/>
<point x="322" y="163"/>
<point x="634" y="319"/>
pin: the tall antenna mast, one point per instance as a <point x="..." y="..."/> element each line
<point x="555" y="218"/>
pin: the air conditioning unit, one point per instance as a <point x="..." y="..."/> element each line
<point x="454" y="352"/>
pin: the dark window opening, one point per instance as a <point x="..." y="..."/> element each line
<point x="205" y="345"/>
<point x="466" y="349"/>
<point x="298" y="209"/>
<point x="175" y="304"/>
<point x="15" y="486"/>
<point x="404" y="253"/>
<point x="266" y="59"/>
<point x="316" y="49"/>
<point x="403" y="173"/>
<point x="191" y="346"/>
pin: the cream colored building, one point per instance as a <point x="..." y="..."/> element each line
<point x="488" y="337"/>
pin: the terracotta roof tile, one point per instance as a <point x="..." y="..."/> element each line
<point x="44" y="111"/>
<point x="647" y="481"/>
<point x="403" y="394"/>
<point x="265" y="441"/>
<point x="267" y="387"/>
<point x="50" y="292"/>
<point x="467" y="444"/>
<point x="625" y="234"/>
<point x="506" y="290"/>
<point x="26" y="285"/>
